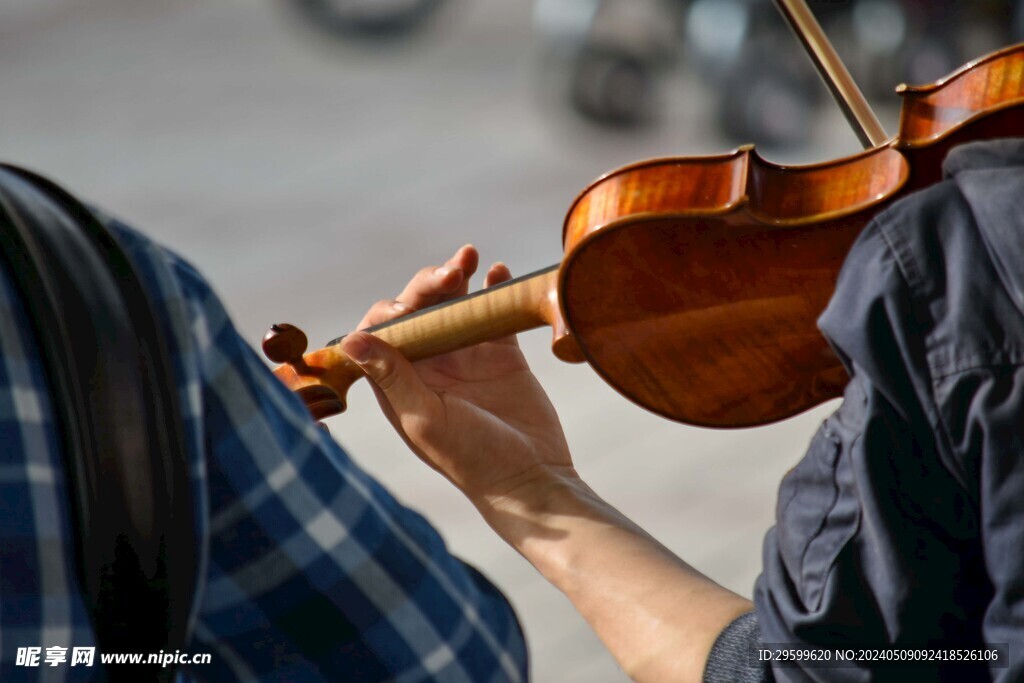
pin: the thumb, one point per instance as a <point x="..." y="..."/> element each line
<point x="392" y="373"/>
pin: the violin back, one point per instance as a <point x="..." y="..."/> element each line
<point x="693" y="286"/>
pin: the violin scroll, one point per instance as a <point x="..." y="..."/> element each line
<point x="286" y="344"/>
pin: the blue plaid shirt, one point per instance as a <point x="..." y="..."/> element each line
<point x="313" y="572"/>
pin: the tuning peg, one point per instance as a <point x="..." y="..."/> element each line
<point x="285" y="343"/>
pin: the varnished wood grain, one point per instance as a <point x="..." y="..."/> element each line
<point x="709" y="321"/>
<point x="995" y="81"/>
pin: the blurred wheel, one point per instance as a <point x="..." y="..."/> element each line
<point x="367" y="17"/>
<point x="613" y="87"/>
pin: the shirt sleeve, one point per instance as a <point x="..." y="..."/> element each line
<point x="730" y="660"/>
<point x="314" y="572"/>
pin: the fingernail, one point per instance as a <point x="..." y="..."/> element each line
<point x="357" y="347"/>
<point x="399" y="307"/>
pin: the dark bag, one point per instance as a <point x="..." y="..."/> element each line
<point x="113" y="390"/>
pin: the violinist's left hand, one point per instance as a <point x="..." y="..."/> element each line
<point x="478" y="415"/>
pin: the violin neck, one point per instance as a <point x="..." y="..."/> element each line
<point x="322" y="378"/>
<point x="511" y="307"/>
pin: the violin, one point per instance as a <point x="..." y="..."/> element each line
<point x="692" y="285"/>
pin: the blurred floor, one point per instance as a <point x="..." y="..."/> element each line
<point x="308" y="179"/>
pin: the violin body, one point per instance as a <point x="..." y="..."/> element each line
<point x="693" y="285"/>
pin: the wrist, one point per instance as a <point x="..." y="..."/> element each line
<point x="529" y="505"/>
<point x="545" y="514"/>
<point x="529" y="496"/>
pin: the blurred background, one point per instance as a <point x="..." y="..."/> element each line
<point x="310" y="155"/>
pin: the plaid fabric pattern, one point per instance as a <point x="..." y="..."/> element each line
<point x="313" y="571"/>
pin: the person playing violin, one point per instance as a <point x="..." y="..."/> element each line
<point x="901" y="527"/>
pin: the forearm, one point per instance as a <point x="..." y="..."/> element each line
<point x="657" y="615"/>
